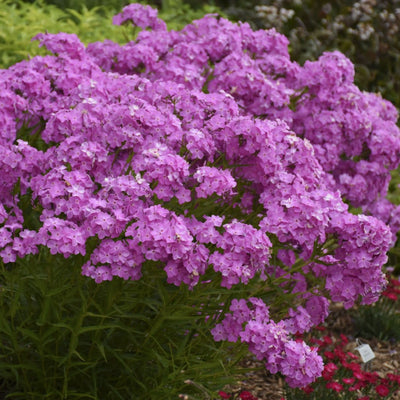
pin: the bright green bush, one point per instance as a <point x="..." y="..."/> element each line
<point x="21" y="21"/>
<point x="78" y="4"/>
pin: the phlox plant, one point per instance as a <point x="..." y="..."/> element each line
<point x="203" y="170"/>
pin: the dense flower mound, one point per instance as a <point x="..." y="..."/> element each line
<point x="204" y="149"/>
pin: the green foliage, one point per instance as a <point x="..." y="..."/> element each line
<point x="62" y="336"/>
<point x="78" y="4"/>
<point x="21" y="21"/>
<point x="380" y="320"/>
<point x="178" y="13"/>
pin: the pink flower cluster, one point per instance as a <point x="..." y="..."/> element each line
<point x="204" y="149"/>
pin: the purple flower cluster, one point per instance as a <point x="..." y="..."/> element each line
<point x="354" y="133"/>
<point x="206" y="149"/>
<point x="249" y="322"/>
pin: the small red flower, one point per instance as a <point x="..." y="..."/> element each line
<point x="308" y="389"/>
<point x="329" y="355"/>
<point x="359" y="375"/>
<point x="371" y="377"/>
<point x="336" y="386"/>
<point x="327" y="339"/>
<point x="246" y="396"/>
<point x="359" y="385"/>
<point x="329" y="371"/>
<point x="355" y="368"/>
<point x="395" y="282"/>
<point x="382" y="390"/>
<point x="352" y="355"/>
<point x="320" y="328"/>
<point x="316" y="341"/>
<point x="394" y="378"/>
<point x="344" y="338"/>
<point x="390" y="295"/>
<point x="339" y="353"/>
<point x="349" y="381"/>
<point x="224" y="395"/>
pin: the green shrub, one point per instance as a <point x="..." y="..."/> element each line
<point x="21" y="21"/>
<point x="78" y="4"/>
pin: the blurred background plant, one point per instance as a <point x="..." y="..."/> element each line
<point x="89" y="19"/>
<point x="21" y="21"/>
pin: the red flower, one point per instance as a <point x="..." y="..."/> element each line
<point x="339" y="353"/>
<point x="316" y="341"/>
<point x="371" y="377"/>
<point x="344" y="338"/>
<point x="320" y="328"/>
<point x="247" y="396"/>
<point x="352" y="355"/>
<point x="395" y="282"/>
<point x="329" y="355"/>
<point x="390" y="295"/>
<point x="327" y="339"/>
<point x="363" y="398"/>
<point x="308" y="389"/>
<point x="359" y="385"/>
<point x="355" y="368"/>
<point x="349" y="381"/>
<point x="394" y="378"/>
<point x="359" y="375"/>
<point x="329" y="371"/>
<point x="382" y="390"/>
<point x="336" y="386"/>
<point x="224" y="395"/>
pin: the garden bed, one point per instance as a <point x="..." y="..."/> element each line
<point x="264" y="386"/>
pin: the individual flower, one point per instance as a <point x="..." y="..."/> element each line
<point x="382" y="390"/>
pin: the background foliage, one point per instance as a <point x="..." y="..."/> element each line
<point x="89" y="19"/>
